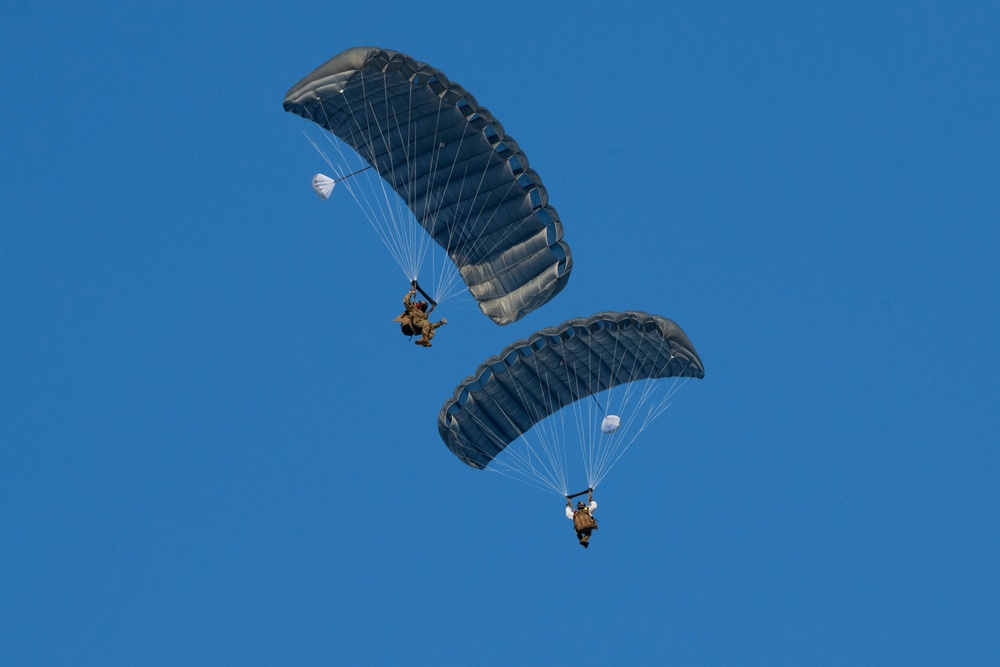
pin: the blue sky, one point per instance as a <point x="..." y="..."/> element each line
<point x="215" y="447"/>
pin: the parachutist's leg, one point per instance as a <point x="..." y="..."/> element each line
<point x="428" y="331"/>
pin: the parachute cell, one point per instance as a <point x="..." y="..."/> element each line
<point x="466" y="181"/>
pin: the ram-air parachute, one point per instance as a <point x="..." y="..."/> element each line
<point x="611" y="369"/>
<point x="451" y="163"/>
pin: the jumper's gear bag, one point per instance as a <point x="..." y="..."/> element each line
<point x="584" y="520"/>
<point x="406" y="325"/>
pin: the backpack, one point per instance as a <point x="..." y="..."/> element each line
<point x="584" y="520"/>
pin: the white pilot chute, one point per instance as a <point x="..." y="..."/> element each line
<point x="610" y="424"/>
<point x="323" y="185"/>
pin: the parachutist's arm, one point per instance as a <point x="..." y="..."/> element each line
<point x="417" y="288"/>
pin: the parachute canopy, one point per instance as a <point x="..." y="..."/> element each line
<point x="551" y="369"/>
<point x="467" y="183"/>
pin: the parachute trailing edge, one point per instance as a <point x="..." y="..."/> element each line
<point x="467" y="182"/>
<point x="535" y="377"/>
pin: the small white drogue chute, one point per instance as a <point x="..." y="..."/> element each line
<point x="610" y="424"/>
<point x="323" y="185"/>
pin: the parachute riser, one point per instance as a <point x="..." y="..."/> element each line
<point x="585" y="491"/>
<point x="424" y="294"/>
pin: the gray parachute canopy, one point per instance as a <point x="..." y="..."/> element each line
<point x="534" y="377"/>
<point x="467" y="182"/>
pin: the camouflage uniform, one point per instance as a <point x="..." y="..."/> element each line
<point x="417" y="321"/>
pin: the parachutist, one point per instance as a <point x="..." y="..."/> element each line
<point x="583" y="518"/>
<point x="414" y="319"/>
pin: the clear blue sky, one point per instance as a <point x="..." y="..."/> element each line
<point x="215" y="447"/>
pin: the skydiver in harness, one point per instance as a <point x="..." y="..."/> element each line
<point x="414" y="319"/>
<point x="583" y="517"/>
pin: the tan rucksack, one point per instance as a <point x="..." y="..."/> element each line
<point x="582" y="520"/>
